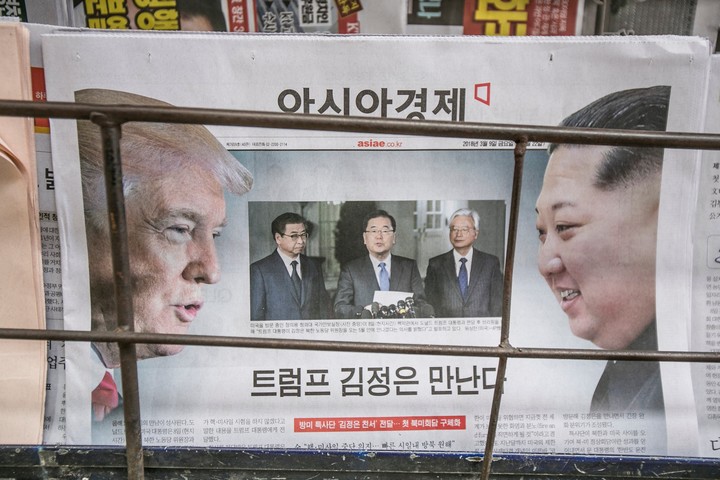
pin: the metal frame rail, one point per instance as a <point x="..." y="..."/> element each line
<point x="110" y="119"/>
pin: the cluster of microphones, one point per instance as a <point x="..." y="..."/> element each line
<point x="407" y="308"/>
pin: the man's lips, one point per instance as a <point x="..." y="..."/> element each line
<point x="569" y="294"/>
<point x="187" y="312"/>
<point x="568" y="297"/>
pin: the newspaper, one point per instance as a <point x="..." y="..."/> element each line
<point x="54" y="417"/>
<point x="469" y="17"/>
<point x="329" y="401"/>
<point x="51" y="12"/>
<point x="244" y="16"/>
<point x="704" y="333"/>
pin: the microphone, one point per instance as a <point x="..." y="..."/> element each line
<point x="384" y="313"/>
<point x="366" y="313"/>
<point x="375" y="309"/>
<point x="402" y="308"/>
<point x="410" y="302"/>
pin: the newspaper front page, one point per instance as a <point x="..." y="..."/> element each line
<point x="567" y="273"/>
<point x="706" y="289"/>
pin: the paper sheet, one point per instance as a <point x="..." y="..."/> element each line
<point x="23" y="363"/>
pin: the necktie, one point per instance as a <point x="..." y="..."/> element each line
<point x="105" y="397"/>
<point x="463" y="278"/>
<point x="384" y="278"/>
<point x="296" y="278"/>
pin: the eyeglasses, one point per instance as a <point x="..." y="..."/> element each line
<point x="461" y="229"/>
<point x="384" y="232"/>
<point x="296" y="236"/>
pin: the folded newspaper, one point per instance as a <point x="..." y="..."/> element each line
<point x="289" y="234"/>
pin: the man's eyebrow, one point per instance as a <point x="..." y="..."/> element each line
<point x="558" y="205"/>
<point x="563" y="204"/>
<point x="189" y="214"/>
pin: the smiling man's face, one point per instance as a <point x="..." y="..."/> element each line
<point x="597" y="247"/>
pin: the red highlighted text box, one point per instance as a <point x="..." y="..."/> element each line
<point x="374" y="424"/>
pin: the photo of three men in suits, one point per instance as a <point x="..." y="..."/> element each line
<point x="464" y="282"/>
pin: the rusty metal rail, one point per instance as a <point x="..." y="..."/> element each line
<point x="110" y="119"/>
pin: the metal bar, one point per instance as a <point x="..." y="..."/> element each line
<point x="519" y="157"/>
<point x="600" y="16"/>
<point x="111" y="117"/>
<point x="589" y="136"/>
<point x="494" y="416"/>
<point x="364" y="347"/>
<point x="110" y="135"/>
<point x="519" y="163"/>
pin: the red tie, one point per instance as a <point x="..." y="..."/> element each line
<point x="104" y="397"/>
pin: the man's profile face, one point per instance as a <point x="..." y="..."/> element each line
<point x="172" y="225"/>
<point x="379" y="236"/>
<point x="462" y="233"/>
<point x="597" y="247"/>
<point x="293" y="242"/>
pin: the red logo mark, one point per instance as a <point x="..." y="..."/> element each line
<point x="482" y="93"/>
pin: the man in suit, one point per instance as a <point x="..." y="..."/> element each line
<point x="174" y="209"/>
<point x="597" y="219"/>
<point x="465" y="282"/>
<point x="379" y="270"/>
<point x="287" y="285"/>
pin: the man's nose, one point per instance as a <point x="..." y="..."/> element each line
<point x="203" y="266"/>
<point x="549" y="260"/>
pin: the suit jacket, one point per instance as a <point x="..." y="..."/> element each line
<point x="485" y="286"/>
<point x="630" y="385"/>
<point x="273" y="297"/>
<point x="358" y="283"/>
